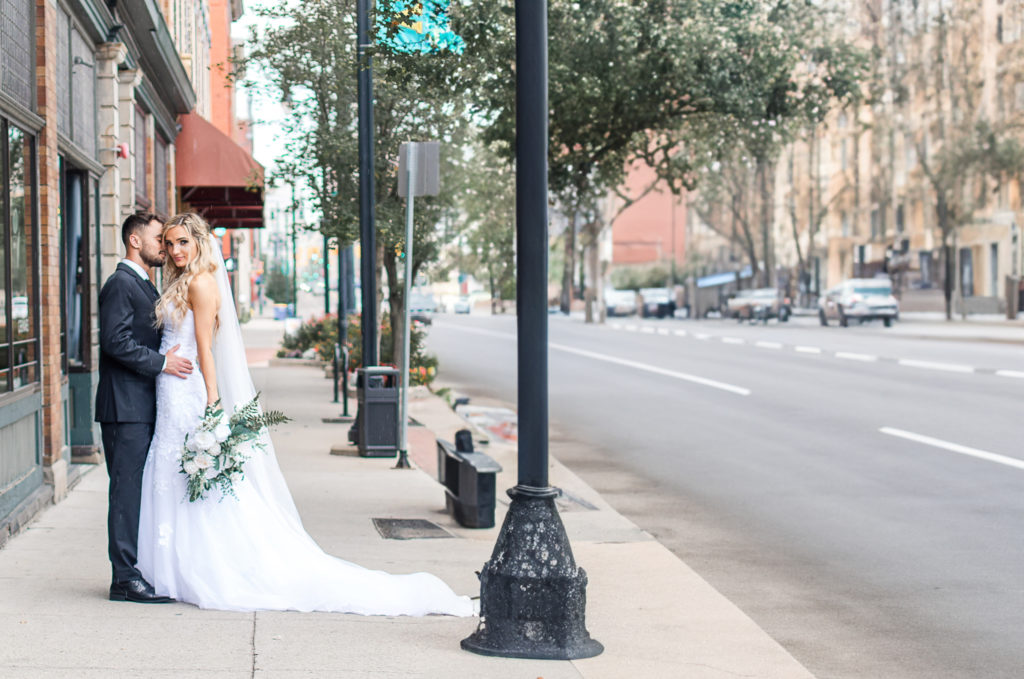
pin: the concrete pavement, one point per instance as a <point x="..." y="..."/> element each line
<point x="655" y="616"/>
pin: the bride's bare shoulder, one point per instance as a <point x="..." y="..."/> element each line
<point x="203" y="288"/>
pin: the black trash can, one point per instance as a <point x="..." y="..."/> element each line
<point x="378" y="421"/>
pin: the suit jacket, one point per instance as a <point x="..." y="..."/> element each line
<point x="129" y="349"/>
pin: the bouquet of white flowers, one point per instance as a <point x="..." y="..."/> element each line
<point x="216" y="451"/>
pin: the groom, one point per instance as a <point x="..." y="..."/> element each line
<point x="126" y="395"/>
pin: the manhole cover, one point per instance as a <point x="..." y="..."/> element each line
<point x="409" y="529"/>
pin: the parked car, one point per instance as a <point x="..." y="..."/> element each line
<point x="859" y="299"/>
<point x="422" y="308"/>
<point x="657" y="302"/>
<point x="759" y="304"/>
<point x="620" y="302"/>
<point x="462" y="305"/>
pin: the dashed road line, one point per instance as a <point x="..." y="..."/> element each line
<point x="679" y="333"/>
<point x="701" y="335"/>
<point x="733" y="340"/>
<point x="630" y="328"/>
<point x="663" y="331"/>
<point x="647" y="330"/>
<point x="686" y="377"/>
<point x="932" y="365"/>
<point x="1017" y="374"/>
<point x="807" y="350"/>
<point x="850" y="356"/>
<point x="768" y="345"/>
<point x="954" y="447"/>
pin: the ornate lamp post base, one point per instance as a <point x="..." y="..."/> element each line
<point x="532" y="594"/>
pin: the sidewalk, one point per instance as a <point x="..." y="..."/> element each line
<point x="655" y="616"/>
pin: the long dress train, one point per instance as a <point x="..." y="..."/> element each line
<point x="250" y="553"/>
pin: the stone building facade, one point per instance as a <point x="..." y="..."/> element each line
<point x="92" y="95"/>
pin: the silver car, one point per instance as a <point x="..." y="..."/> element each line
<point x="859" y="299"/>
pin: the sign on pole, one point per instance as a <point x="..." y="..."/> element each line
<point x="427" y="171"/>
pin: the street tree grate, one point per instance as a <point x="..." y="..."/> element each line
<point x="409" y="529"/>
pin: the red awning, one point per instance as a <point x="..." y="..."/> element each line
<point x="217" y="177"/>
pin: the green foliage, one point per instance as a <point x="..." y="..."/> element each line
<point x="422" y="365"/>
<point x="318" y="333"/>
<point x="306" y="55"/>
<point x="636" y="277"/>
<point x="485" y="188"/>
<point x="279" y="286"/>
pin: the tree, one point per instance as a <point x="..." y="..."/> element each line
<point x="486" y="208"/>
<point x="970" y="151"/>
<point x="665" y="83"/>
<point x="307" y="53"/>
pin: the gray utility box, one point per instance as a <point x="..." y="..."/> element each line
<point x="468" y="478"/>
<point x="377" y="422"/>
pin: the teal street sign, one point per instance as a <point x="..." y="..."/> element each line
<point x="417" y="27"/>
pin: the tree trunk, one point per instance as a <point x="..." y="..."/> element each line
<point x="565" y="299"/>
<point x="766" y="216"/>
<point x="950" y="264"/>
<point x="396" y="302"/>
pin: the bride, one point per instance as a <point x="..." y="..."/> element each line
<point x="249" y="553"/>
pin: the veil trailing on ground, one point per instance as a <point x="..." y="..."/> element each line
<point x="235" y="387"/>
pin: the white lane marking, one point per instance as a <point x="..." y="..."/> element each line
<point x="733" y="340"/>
<point x="616" y="326"/>
<point x="686" y="377"/>
<point x="742" y="391"/>
<point x="768" y="345"/>
<point x="679" y="333"/>
<point x="647" y="330"/>
<point x="954" y="447"/>
<point x="630" y="328"/>
<point x="701" y="335"/>
<point x="663" y="331"/>
<point x="930" y="365"/>
<point x="867" y="358"/>
<point x="808" y="350"/>
<point x="1011" y="373"/>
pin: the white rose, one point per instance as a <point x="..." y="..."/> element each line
<point x="191" y="467"/>
<point x="214" y="450"/>
<point x="221" y="432"/>
<point x="190" y="443"/>
<point x="205" y="440"/>
<point x="203" y="461"/>
<point x="210" y="472"/>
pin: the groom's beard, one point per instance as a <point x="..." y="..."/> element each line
<point x="153" y="261"/>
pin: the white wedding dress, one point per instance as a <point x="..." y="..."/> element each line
<point x="250" y="553"/>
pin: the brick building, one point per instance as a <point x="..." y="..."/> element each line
<point x="92" y="95"/>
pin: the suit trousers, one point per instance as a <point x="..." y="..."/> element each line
<point x="125" y="445"/>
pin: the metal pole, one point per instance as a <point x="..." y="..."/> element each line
<point x="327" y="273"/>
<point x="343" y="308"/>
<point x="532" y="593"/>
<point x="403" y="437"/>
<point x="295" y="262"/>
<point x="367" y="236"/>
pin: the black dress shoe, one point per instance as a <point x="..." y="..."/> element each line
<point x="137" y="590"/>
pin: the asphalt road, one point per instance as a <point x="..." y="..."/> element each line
<point x="859" y="494"/>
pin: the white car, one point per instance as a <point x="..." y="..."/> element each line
<point x="462" y="305"/>
<point x="620" y="302"/>
<point x="859" y="299"/>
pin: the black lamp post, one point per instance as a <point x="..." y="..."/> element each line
<point x="532" y="593"/>
<point x="367" y="236"/>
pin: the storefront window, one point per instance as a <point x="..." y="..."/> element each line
<point x="19" y="352"/>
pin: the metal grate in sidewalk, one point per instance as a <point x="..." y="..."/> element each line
<point x="409" y="529"/>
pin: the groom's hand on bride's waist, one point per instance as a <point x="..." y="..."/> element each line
<point x="176" y="365"/>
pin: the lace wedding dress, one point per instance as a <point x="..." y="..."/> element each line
<point x="249" y="553"/>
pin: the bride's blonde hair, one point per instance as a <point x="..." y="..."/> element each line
<point x="177" y="279"/>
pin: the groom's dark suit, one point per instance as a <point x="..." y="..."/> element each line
<point x="126" y="405"/>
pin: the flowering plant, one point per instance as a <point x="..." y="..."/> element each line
<point x="215" y="453"/>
